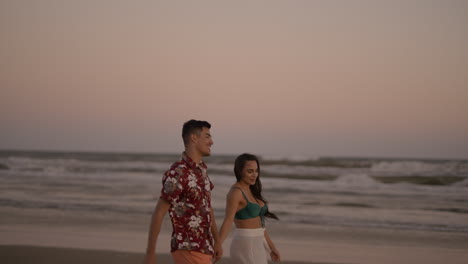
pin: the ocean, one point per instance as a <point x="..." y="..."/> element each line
<point x="403" y="194"/>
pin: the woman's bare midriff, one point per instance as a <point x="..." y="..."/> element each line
<point x="249" y="223"/>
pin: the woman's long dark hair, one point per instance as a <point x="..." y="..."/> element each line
<point x="256" y="189"/>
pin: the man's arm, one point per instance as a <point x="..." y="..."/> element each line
<point x="218" y="249"/>
<point x="156" y="221"/>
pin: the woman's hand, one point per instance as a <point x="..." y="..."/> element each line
<point x="275" y="255"/>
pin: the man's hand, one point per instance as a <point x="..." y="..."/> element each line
<point x="150" y="259"/>
<point x="218" y="252"/>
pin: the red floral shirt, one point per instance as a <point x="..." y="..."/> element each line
<point x="187" y="187"/>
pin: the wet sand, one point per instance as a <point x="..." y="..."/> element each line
<point x="55" y="237"/>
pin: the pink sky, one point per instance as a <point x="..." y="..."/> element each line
<point x="302" y="78"/>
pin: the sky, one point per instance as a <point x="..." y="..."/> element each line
<point x="274" y="78"/>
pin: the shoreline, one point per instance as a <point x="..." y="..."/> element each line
<point x="298" y="244"/>
<point x="23" y="254"/>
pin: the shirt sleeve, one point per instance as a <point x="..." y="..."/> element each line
<point x="173" y="185"/>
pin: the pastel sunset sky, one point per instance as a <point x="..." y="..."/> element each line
<point x="275" y="78"/>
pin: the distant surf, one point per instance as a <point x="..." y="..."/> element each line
<point x="363" y="192"/>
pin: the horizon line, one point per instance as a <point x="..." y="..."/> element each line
<point x="279" y="157"/>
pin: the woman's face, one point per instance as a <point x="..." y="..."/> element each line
<point x="250" y="172"/>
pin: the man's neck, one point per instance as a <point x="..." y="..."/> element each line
<point x="194" y="155"/>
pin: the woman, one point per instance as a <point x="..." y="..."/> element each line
<point x="246" y="207"/>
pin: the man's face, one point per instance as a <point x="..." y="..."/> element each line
<point x="204" y="142"/>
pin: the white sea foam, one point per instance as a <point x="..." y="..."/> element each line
<point x="419" y="168"/>
<point x="294" y="158"/>
<point x="130" y="185"/>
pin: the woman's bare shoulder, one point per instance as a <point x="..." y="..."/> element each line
<point x="235" y="192"/>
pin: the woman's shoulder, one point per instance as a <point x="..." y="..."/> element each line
<point x="235" y="192"/>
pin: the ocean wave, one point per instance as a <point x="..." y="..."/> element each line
<point x="463" y="183"/>
<point x="450" y="210"/>
<point x="286" y="190"/>
<point x="361" y="205"/>
<point x="286" y="166"/>
<point x="60" y="205"/>
<point x="88" y="156"/>
<point x="320" y="162"/>
<point x="420" y="168"/>
<point x="421" y="180"/>
<point x="64" y="166"/>
<point x="116" y="170"/>
<point x="370" y="223"/>
<point x="4" y="167"/>
<point x="295" y="176"/>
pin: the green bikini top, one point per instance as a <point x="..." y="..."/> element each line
<point x="252" y="210"/>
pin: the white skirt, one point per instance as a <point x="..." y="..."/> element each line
<point x="249" y="246"/>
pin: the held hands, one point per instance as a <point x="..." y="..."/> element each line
<point x="275" y="255"/>
<point x="218" y="252"/>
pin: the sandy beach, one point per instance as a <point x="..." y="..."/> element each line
<point x="364" y="250"/>
<point x="50" y="255"/>
<point x="91" y="240"/>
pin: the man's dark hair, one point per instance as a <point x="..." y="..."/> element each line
<point x="193" y="127"/>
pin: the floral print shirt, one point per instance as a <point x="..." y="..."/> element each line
<point x="187" y="187"/>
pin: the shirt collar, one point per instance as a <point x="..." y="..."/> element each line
<point x="192" y="163"/>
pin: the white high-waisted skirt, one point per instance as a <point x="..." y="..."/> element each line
<point x="249" y="246"/>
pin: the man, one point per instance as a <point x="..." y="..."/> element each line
<point x="186" y="194"/>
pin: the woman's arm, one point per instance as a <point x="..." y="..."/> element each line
<point x="274" y="253"/>
<point x="232" y="203"/>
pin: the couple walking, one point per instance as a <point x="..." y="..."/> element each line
<point x="186" y="195"/>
